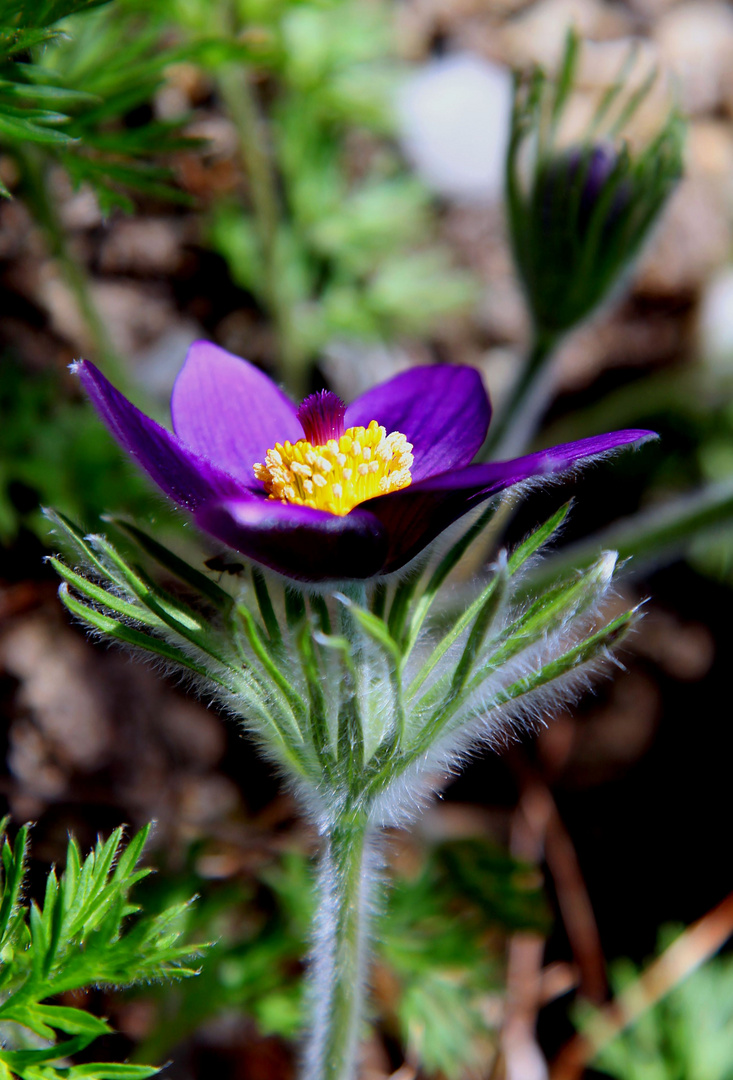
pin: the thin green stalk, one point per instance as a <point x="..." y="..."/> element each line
<point x="337" y="974"/>
<point x="236" y="91"/>
<point x="647" y="536"/>
<point x="512" y="430"/>
<point x="34" y="173"/>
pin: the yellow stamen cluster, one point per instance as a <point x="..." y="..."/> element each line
<point x="362" y="463"/>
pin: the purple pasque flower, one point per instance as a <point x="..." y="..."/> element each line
<point x="326" y="491"/>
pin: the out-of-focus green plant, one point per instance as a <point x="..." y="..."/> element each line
<point x="83" y="934"/>
<point x="34" y="108"/>
<point x="436" y="938"/>
<point x="70" y="77"/>
<point x="67" y="84"/>
<point x="55" y="450"/>
<point x="434" y="944"/>
<point x="686" y="1036"/>
<point x="335" y="238"/>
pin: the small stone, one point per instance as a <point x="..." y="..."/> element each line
<point x="693" y="239"/>
<point x="81" y="210"/>
<point x="651" y="9"/>
<point x="454" y="117"/>
<point x="63" y="312"/>
<point x="352" y="367"/>
<point x="30" y="760"/>
<point x="157" y="365"/>
<point x="142" y="245"/>
<point x="220" y="135"/>
<point x="194" y="733"/>
<point x="538" y="35"/>
<point x="615" y="339"/>
<point x="696" y="44"/>
<point x="500" y="367"/>
<point x="18" y="237"/>
<point x="67" y="710"/>
<point x="709" y="153"/>
<point x="715" y="322"/>
<point x="684" y="650"/>
<point x="206" y="799"/>
<point x="478" y="235"/>
<point x="185" y="85"/>
<point x="134" y="315"/>
<point x="502" y="311"/>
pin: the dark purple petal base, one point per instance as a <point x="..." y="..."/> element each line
<point x="305" y="544"/>
<point x="417" y="514"/>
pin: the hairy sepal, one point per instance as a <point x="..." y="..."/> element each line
<point x="345" y="696"/>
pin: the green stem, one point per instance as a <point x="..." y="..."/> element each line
<point x="356" y="591"/>
<point x="237" y="93"/>
<point x="337" y="974"/>
<point x="35" y="189"/>
<point x="513" y="429"/>
<point x="648" y="537"/>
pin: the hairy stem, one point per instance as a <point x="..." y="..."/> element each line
<point x="337" y="975"/>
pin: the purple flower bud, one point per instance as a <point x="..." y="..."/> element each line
<point x="572" y="185"/>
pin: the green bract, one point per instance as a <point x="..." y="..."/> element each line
<point x="365" y="700"/>
<point x="352" y="697"/>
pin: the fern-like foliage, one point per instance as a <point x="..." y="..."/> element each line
<point x="68" y="78"/>
<point x="31" y="109"/>
<point x="83" y="934"/>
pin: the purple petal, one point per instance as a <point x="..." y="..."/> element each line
<point x="183" y="475"/>
<point x="497" y="475"/>
<point x="229" y="411"/>
<point x="302" y="543"/>
<point x="443" y="411"/>
<point x="417" y="514"/>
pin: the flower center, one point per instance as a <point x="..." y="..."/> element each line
<point x="340" y="473"/>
